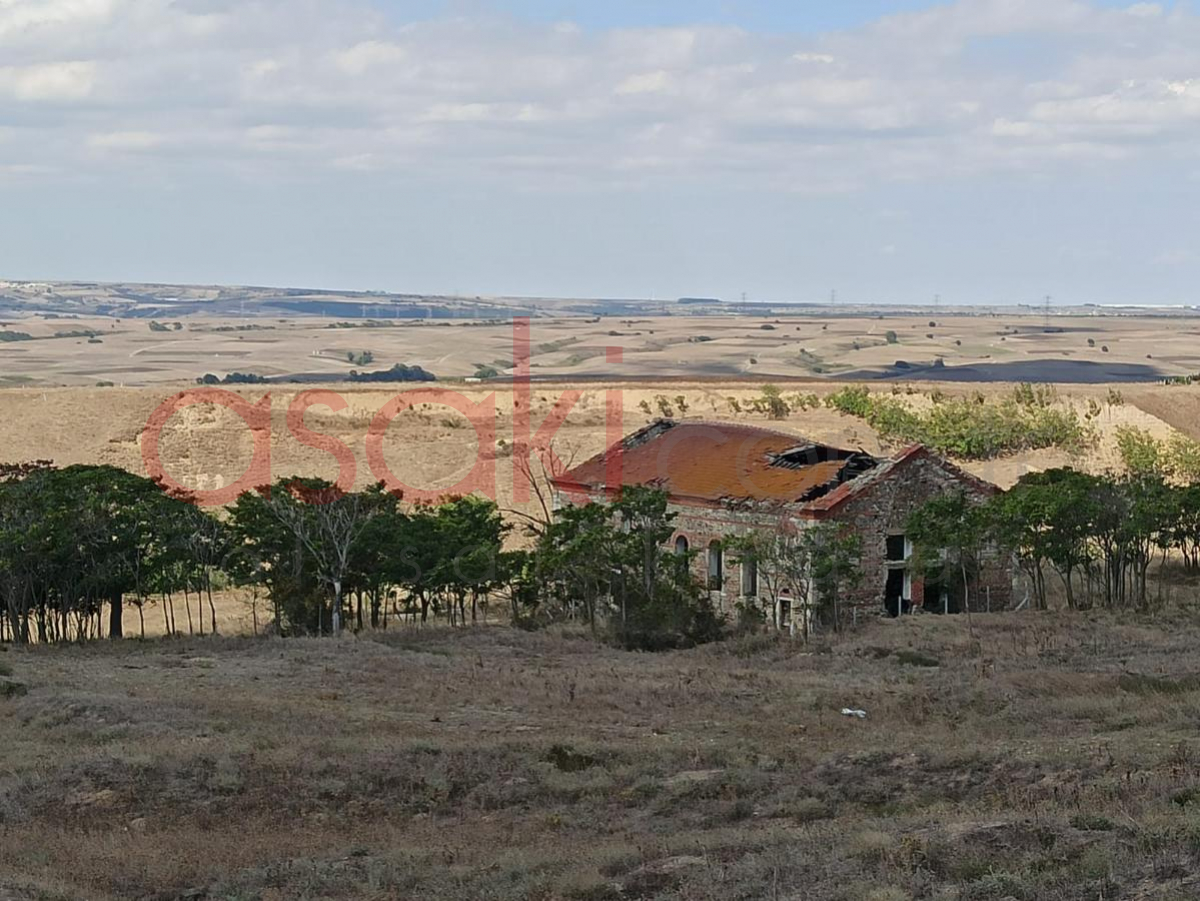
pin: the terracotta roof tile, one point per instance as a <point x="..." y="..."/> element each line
<point x="716" y="462"/>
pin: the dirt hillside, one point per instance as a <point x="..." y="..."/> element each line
<point x="432" y="447"/>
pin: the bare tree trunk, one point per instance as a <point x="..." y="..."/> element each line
<point x="967" y="599"/>
<point x="212" y="608"/>
<point x="337" y="607"/>
<point x="115" y="620"/>
<point x="187" y="603"/>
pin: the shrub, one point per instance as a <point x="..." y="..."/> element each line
<point x="234" y="378"/>
<point x="771" y="403"/>
<point x="1140" y="451"/>
<point x="398" y="373"/>
<point x="963" y="428"/>
<point x="892" y="338"/>
<point x="853" y="400"/>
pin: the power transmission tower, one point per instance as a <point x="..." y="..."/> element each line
<point x="1048" y="301"/>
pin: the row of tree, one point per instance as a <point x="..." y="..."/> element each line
<point x="82" y="545"/>
<point x="1098" y="535"/>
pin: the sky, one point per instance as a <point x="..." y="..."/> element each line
<point x="987" y="151"/>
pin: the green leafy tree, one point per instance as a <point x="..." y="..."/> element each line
<point x="949" y="533"/>
<point x="835" y="556"/>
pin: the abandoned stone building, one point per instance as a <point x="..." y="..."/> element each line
<point x="723" y="480"/>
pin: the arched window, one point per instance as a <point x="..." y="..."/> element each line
<point x="682" y="546"/>
<point x="716" y="567"/>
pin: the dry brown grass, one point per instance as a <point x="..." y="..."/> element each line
<point x="128" y="353"/>
<point x="1052" y="757"/>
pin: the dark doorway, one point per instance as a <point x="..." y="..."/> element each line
<point x="943" y="593"/>
<point x="893" y="597"/>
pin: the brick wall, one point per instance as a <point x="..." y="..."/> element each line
<point x="701" y="527"/>
<point x="884" y="509"/>
<point x="875" y="513"/>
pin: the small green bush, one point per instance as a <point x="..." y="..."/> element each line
<point x="963" y="428"/>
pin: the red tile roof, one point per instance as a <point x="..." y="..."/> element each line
<point x="716" y="463"/>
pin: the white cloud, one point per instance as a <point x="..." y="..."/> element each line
<point x="1145" y="10"/>
<point x="1176" y="257"/>
<point x="125" y="140"/>
<point x="645" y="83"/>
<point x="822" y="58"/>
<point x="369" y="54"/>
<point x="325" y="83"/>
<point x="48" y="82"/>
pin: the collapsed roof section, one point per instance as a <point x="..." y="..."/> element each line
<point x="721" y="464"/>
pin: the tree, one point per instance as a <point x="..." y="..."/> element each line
<point x="781" y="558"/>
<point x="949" y="533"/>
<point x="661" y="604"/>
<point x="324" y="521"/>
<point x="611" y="561"/>
<point x="835" y="560"/>
<point x="1043" y="521"/>
<point x="814" y="565"/>
<point x="74" y="539"/>
<point x="470" y="537"/>
<point x="538" y="467"/>
<point x="575" y="557"/>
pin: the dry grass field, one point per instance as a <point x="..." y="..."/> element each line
<point x="1052" y="757"/>
<point x="433" y="447"/>
<point x="989" y="348"/>
<point x="1048" y="757"/>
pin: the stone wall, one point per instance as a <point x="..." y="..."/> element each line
<point x="883" y="509"/>
<point x="879" y="510"/>
<point x="702" y="527"/>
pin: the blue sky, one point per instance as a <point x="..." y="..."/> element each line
<point x="990" y="151"/>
